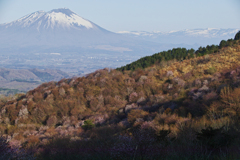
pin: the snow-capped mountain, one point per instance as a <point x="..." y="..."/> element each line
<point x="55" y="19"/>
<point x="188" y="36"/>
<point x="53" y="29"/>
<point x="60" y="39"/>
<point x="62" y="30"/>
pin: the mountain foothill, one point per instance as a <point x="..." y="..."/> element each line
<point x="176" y="104"/>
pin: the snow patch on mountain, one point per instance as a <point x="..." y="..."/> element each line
<point x="63" y="20"/>
<point x="196" y="37"/>
<point x="207" y="32"/>
<point x="63" y="17"/>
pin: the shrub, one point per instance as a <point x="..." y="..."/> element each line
<point x="136" y="113"/>
<point x="215" y="111"/>
<point x="133" y="97"/>
<point x="32" y="141"/>
<point x="211" y="70"/>
<point x="52" y="121"/>
<point x="93" y="104"/>
<point x="168" y="111"/>
<point x="210" y="96"/>
<point x="37" y="96"/>
<point x="88" y="124"/>
<point x="232" y="99"/>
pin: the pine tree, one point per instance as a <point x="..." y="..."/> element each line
<point x="237" y="36"/>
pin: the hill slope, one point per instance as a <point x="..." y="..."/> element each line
<point x="194" y="102"/>
<point x="14" y="81"/>
<point x="178" y="54"/>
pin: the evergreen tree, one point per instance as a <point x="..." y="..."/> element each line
<point x="237" y="36"/>
<point x="222" y="44"/>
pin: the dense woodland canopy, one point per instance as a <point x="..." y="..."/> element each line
<point x="150" y="111"/>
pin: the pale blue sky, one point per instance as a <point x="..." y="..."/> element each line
<point x="136" y="15"/>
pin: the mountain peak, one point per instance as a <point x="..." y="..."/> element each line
<point x="65" y="11"/>
<point x="56" y="18"/>
<point x="65" y="18"/>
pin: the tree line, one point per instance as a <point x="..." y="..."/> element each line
<point x="178" y="54"/>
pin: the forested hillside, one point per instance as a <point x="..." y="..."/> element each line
<point x="178" y="54"/>
<point x="183" y="109"/>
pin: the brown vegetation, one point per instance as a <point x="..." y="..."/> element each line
<point x="171" y="104"/>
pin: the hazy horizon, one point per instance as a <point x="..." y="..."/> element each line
<point x="148" y="16"/>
